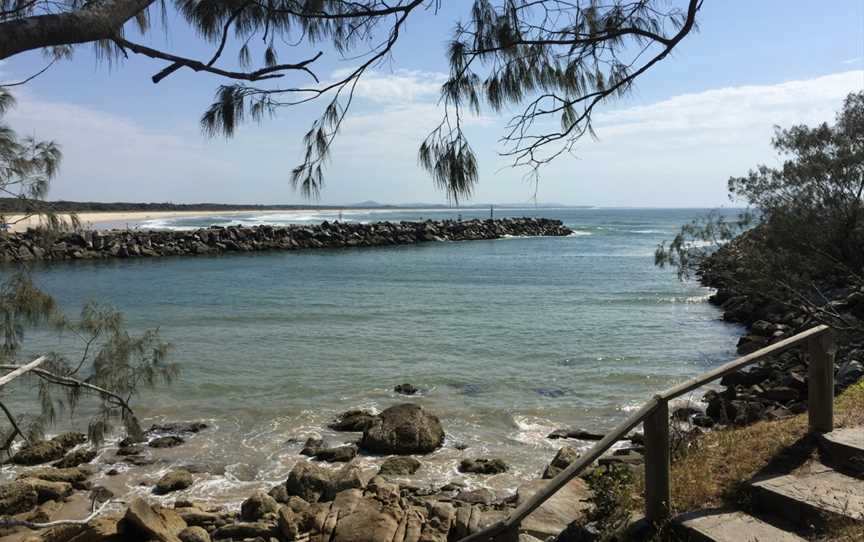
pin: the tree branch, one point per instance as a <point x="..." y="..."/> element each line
<point x="96" y="20"/>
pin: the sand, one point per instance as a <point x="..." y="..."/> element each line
<point x="104" y="220"/>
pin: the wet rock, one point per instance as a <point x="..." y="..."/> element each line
<point x="168" y="441"/>
<point x="70" y="439"/>
<point x="77" y="457"/>
<point x="309" y="481"/>
<point x="565" y="456"/>
<point x="578" y="434"/>
<point x="194" y="534"/>
<point x="403" y="430"/>
<point x="178" y="427"/>
<point x="353" y="420"/>
<point x="406" y="389"/>
<point x="39" y="452"/>
<point x="258" y="505"/>
<point x="151" y="522"/>
<point x="340" y="454"/>
<point x="175" y="480"/>
<point x="312" y="446"/>
<point x="74" y="476"/>
<point x="482" y="466"/>
<point x="399" y="466"/>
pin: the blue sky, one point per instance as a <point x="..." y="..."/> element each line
<point x="700" y="116"/>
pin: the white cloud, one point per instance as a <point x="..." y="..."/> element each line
<point x="855" y="60"/>
<point x="401" y="86"/>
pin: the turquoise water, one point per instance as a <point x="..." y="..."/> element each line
<point x="507" y="339"/>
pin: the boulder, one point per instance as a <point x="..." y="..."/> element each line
<point x="353" y="420"/>
<point x="175" y="480"/>
<point x="194" y="534"/>
<point x="151" y="522"/>
<point x="77" y="457"/>
<point x="476" y="496"/>
<point x="406" y="389"/>
<point x="47" y="490"/>
<point x="39" y="452"/>
<point x="403" y="430"/>
<point x="70" y="439"/>
<point x="312" y="446"/>
<point x="399" y="466"/>
<point x="309" y="481"/>
<point x="482" y="466"/>
<point x="340" y="454"/>
<point x="258" y="505"/>
<point x="279" y="493"/>
<point x="72" y="475"/>
<point x="166" y="442"/>
<point x="565" y="456"/>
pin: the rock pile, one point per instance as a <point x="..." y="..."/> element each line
<point x="91" y="245"/>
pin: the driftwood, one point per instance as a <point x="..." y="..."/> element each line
<point x="18" y="370"/>
<point x="9" y="522"/>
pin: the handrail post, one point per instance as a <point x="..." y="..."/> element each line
<point x="820" y="388"/>
<point x="657" y="492"/>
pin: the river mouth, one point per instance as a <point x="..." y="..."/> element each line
<point x="507" y="340"/>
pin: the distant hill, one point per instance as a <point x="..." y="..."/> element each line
<point x="14" y="205"/>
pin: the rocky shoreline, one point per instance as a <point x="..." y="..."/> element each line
<point x="36" y="245"/>
<point x="777" y="387"/>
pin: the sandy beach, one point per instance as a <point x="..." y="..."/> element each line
<point x="104" y="220"/>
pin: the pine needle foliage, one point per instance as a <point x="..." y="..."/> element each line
<point x="552" y="62"/>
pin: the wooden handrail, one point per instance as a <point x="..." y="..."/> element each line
<point x="645" y="412"/>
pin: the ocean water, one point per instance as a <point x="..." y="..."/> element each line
<point x="507" y="339"/>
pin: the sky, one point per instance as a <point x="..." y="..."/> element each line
<point x="705" y="113"/>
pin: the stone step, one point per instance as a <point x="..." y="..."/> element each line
<point x="730" y="526"/>
<point x="844" y="448"/>
<point x="810" y="496"/>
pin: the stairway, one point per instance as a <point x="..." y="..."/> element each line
<point x="786" y="505"/>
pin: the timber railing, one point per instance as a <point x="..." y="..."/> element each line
<point x="654" y="415"/>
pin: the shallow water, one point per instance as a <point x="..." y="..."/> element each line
<point x="507" y="339"/>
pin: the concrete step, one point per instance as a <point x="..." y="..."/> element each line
<point x="810" y="496"/>
<point x="730" y="526"/>
<point x="844" y="449"/>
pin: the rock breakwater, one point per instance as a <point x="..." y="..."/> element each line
<point x="91" y="245"/>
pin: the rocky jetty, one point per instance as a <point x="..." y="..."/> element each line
<point x="92" y="245"/>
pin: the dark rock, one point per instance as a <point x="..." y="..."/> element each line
<point x="174" y="480"/>
<point x="178" y="427"/>
<point x="702" y="420"/>
<point x="340" y="454"/>
<point x="17" y="497"/>
<point x="578" y="434"/>
<point x="406" y="389"/>
<point x="77" y="457"/>
<point x="403" y="430"/>
<point x="169" y="441"/>
<point x="682" y="414"/>
<point x="279" y="493"/>
<point x="353" y="420"/>
<point x="399" y="466"/>
<point x="258" y="505"/>
<point x="144" y="521"/>
<point x="312" y="446"/>
<point x="780" y="394"/>
<point x="194" y="534"/>
<point x="70" y="439"/>
<point x="482" y="466"/>
<point x="39" y="452"/>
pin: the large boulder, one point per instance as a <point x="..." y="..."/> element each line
<point x="151" y="522"/>
<point x="353" y="420"/>
<point x="403" y="430"/>
<point x="313" y="483"/>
